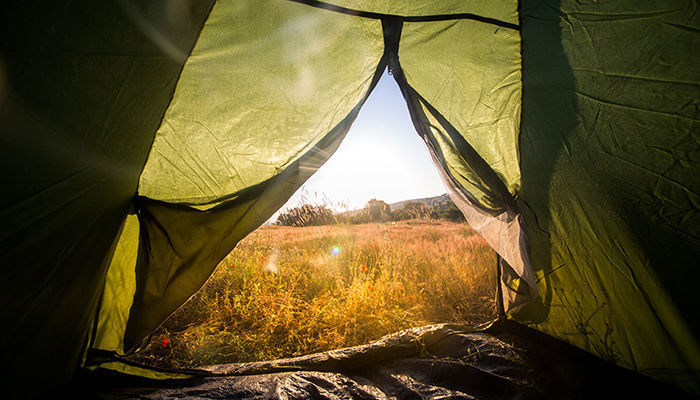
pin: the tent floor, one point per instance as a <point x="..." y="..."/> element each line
<point x="503" y="361"/>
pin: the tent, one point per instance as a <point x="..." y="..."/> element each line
<point x="142" y="140"/>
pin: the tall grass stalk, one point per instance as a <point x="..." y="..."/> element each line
<point x="287" y="291"/>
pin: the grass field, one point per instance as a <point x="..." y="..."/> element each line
<point x="288" y="291"/>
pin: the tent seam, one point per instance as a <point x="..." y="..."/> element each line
<point x="421" y="18"/>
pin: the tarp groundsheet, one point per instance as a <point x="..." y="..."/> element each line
<point x="501" y="361"/>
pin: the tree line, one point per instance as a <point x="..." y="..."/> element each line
<point x="374" y="211"/>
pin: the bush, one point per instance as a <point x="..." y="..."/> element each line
<point x="307" y="215"/>
<point x="447" y="212"/>
<point x="412" y="210"/>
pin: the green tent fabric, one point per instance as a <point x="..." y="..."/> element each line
<point x="142" y="141"/>
<point x="84" y="87"/>
<point x="609" y="157"/>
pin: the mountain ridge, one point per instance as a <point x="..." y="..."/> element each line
<point x="428" y="201"/>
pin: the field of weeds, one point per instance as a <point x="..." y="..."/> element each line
<point x="287" y="291"/>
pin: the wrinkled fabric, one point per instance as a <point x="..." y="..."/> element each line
<point x="83" y="87"/>
<point x="439" y="361"/>
<point x="610" y="162"/>
<point x="497" y="361"/>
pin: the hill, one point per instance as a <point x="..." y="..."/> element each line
<point x="428" y="201"/>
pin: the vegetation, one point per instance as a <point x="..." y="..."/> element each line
<point x="412" y="210"/>
<point x="307" y="215"/>
<point x="288" y="291"/>
<point x="374" y="211"/>
<point x="448" y="212"/>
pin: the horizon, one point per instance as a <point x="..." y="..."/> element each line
<point x="337" y="210"/>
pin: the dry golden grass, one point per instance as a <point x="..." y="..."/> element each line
<point x="288" y="291"/>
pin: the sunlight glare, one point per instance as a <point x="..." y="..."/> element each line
<point x="382" y="157"/>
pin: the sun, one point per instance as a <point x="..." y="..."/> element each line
<point x="382" y="157"/>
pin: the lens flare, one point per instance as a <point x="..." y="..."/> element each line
<point x="335" y="250"/>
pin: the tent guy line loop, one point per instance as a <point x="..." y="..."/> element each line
<point x="415" y="18"/>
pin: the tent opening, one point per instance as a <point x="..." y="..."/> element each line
<point x="370" y="245"/>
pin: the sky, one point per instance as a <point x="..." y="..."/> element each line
<point x="381" y="157"/>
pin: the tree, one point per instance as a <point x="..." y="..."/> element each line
<point x="374" y="211"/>
<point x="378" y="210"/>
<point x="447" y="211"/>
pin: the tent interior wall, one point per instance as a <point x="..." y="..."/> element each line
<point x="142" y="140"/>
